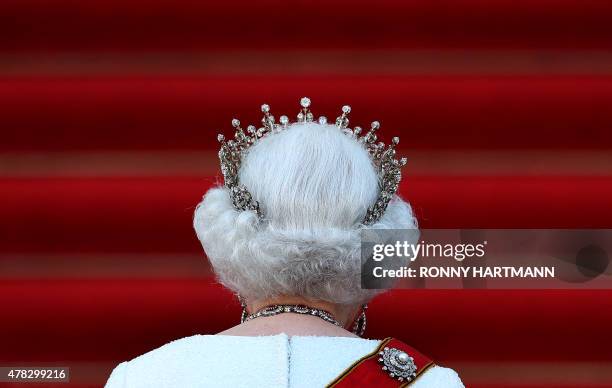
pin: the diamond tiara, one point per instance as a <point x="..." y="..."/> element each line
<point x="383" y="156"/>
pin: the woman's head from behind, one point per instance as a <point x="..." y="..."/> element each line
<point x="314" y="185"/>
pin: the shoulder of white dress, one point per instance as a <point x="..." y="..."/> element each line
<point x="117" y="377"/>
<point x="172" y="351"/>
<point x="438" y="376"/>
<point x="196" y="347"/>
<point x="201" y="358"/>
<point x="157" y="362"/>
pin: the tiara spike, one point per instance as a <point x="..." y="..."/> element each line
<point x="240" y="136"/>
<point x="305" y="115"/>
<point x="370" y="137"/>
<point x="342" y="121"/>
<point x="383" y="157"/>
<point x="267" y="121"/>
<point x="284" y="120"/>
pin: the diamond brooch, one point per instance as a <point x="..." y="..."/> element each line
<point x="398" y="364"/>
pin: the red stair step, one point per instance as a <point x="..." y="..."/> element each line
<point x="112" y="319"/>
<point x="434" y="112"/>
<point x="196" y="25"/>
<point x="154" y="215"/>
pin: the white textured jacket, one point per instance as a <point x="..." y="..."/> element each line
<point x="268" y="361"/>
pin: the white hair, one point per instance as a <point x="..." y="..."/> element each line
<point x="314" y="185"/>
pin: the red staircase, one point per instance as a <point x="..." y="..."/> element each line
<point x="108" y="117"/>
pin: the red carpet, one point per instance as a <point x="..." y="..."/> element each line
<point x="459" y="112"/>
<point x="62" y="215"/>
<point x="87" y="319"/>
<point x="204" y="25"/>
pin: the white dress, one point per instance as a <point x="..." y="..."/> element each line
<point x="267" y="361"/>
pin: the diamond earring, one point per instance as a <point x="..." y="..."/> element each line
<point x="361" y="322"/>
<point x="245" y="313"/>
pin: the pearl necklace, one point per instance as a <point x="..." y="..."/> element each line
<point x="276" y="309"/>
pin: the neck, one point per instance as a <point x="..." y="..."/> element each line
<point x="296" y="324"/>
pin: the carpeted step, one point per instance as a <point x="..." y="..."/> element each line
<point x="117" y="319"/>
<point x="154" y="214"/>
<point x="195" y="25"/>
<point x="186" y="113"/>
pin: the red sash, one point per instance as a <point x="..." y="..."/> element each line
<point x="368" y="372"/>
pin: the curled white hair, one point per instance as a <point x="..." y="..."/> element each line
<point x="314" y="185"/>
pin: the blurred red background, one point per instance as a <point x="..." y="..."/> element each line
<point x="108" y="118"/>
